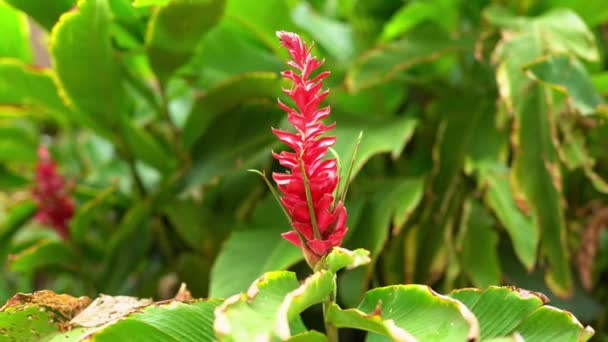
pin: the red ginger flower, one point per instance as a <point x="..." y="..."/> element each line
<point x="320" y="229"/>
<point x="55" y="207"/>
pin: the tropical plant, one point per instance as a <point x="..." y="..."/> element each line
<point x="481" y="162"/>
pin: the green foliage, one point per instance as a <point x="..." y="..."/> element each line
<point x="482" y="161"/>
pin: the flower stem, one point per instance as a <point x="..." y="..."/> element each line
<point x="350" y="169"/>
<point x="273" y="191"/>
<point x="330" y="330"/>
<point x="311" y="208"/>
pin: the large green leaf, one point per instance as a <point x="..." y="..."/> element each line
<point x="334" y="36"/>
<point x="536" y="178"/>
<point x="126" y="247"/>
<point x="86" y="64"/>
<point x="246" y="255"/>
<point x="163" y="321"/>
<point x="392" y="60"/>
<point x="458" y="139"/>
<point x="146" y="148"/>
<point x="22" y="85"/>
<point x="15" y="218"/>
<point x="408" y="313"/>
<point x="236" y="142"/>
<point x="229" y="49"/>
<point x="220" y="99"/>
<point x="539" y="181"/>
<point x="477" y="245"/>
<point x="46" y="12"/>
<point x="46" y="316"/>
<point x="379" y="136"/>
<point x="37" y="316"/>
<point x="271" y="304"/>
<point x="575" y="154"/>
<point x="568" y="75"/>
<point x="241" y="261"/>
<point x="504" y="311"/>
<point x="551" y="324"/>
<point x="522" y="230"/>
<point x="386" y="211"/>
<point x="175" y="30"/>
<point x="557" y="31"/>
<point x="15" y="41"/>
<point x="17" y="144"/>
<point x="262" y="18"/>
<point x="440" y="12"/>
<point x="41" y="255"/>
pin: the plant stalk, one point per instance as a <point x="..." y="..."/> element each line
<point x="330" y="330"/>
<point x="311" y="208"/>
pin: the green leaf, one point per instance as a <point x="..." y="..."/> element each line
<point x="17" y="144"/>
<point x="309" y="336"/>
<point x="270" y="304"/>
<point x="409" y="313"/>
<point x="43" y="254"/>
<point x="564" y="32"/>
<point x="522" y="230"/>
<point x="224" y="97"/>
<point x="146" y="148"/>
<point x="81" y="222"/>
<point x="386" y="211"/>
<point x="143" y="3"/>
<point x="390" y="204"/>
<point x="390" y="61"/>
<point x="536" y="175"/>
<point x="82" y="35"/>
<point x="126" y="247"/>
<point x="505" y="311"/>
<point x="379" y="136"/>
<point x="477" y="244"/>
<point x="340" y="258"/>
<point x="15" y="218"/>
<point x="557" y="31"/>
<point x="228" y="50"/>
<point x="594" y="12"/>
<point x="241" y="259"/>
<point x="15" y="41"/>
<point x="551" y="324"/>
<point x="175" y="30"/>
<point x="568" y="75"/>
<point x="465" y="116"/>
<point x="440" y="12"/>
<point x="37" y="316"/>
<point x="262" y="18"/>
<point x="47" y="316"/>
<point x="334" y="36"/>
<point x="499" y="309"/>
<point x="536" y="179"/>
<point x="574" y="153"/>
<point x="46" y="12"/>
<point x="163" y="321"/>
<point x="237" y="142"/>
<point x="29" y="87"/>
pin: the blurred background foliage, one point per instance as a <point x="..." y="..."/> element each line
<point x="483" y="159"/>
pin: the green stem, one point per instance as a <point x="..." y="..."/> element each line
<point x="274" y="193"/>
<point x="311" y="208"/>
<point x="350" y="169"/>
<point x="176" y="135"/>
<point x="330" y="330"/>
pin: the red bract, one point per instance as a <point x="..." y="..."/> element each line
<point x="322" y="228"/>
<point x="55" y="207"/>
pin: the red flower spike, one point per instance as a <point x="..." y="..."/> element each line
<point x="320" y="228"/>
<point x="55" y="206"/>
